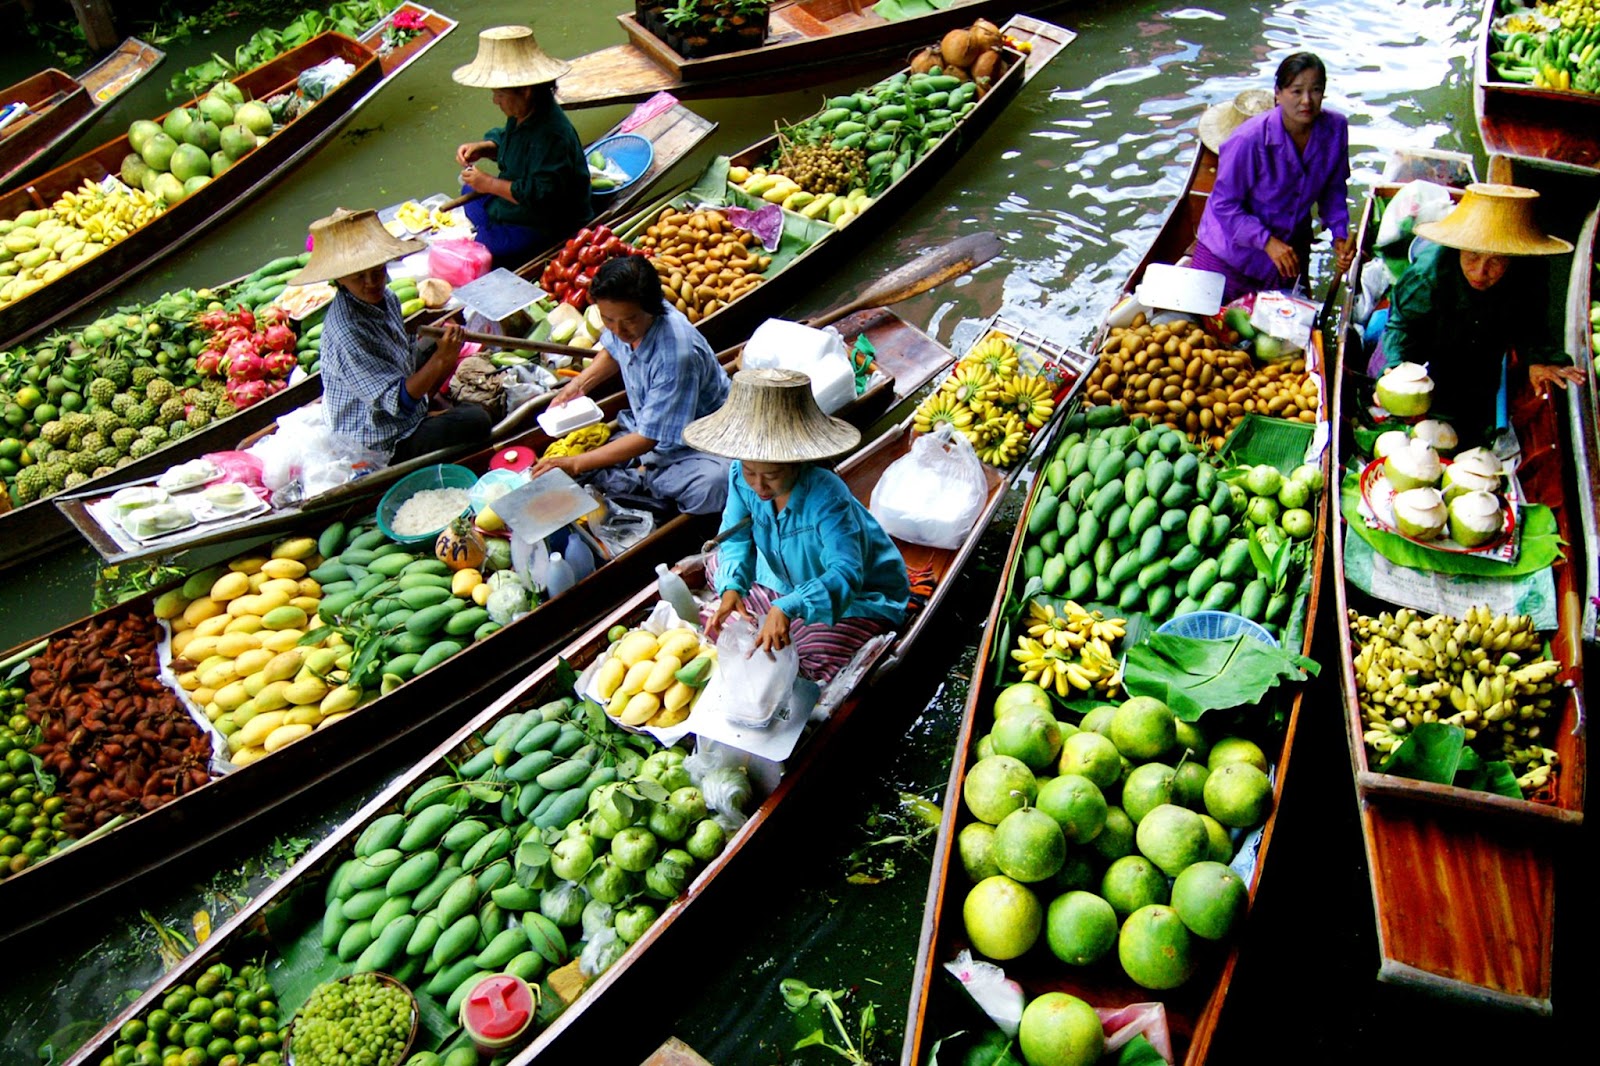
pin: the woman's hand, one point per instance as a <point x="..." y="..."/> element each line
<point x="774" y="635"/>
<point x="731" y="603"/>
<point x="572" y="390"/>
<point x="448" y="350"/>
<point x="1344" y="253"/>
<point x="1542" y="375"/>
<point x="567" y="464"/>
<point x="480" y="181"/>
<point x="474" y="150"/>
<point x="1283" y="257"/>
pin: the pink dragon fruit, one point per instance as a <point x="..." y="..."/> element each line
<point x="244" y="393"/>
<point x="243" y="363"/>
<point x="209" y="362"/>
<point x="280" y="364"/>
<point x="279" y="338"/>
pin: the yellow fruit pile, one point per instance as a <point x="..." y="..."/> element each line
<point x="1070" y="650"/>
<point x="650" y="680"/>
<point x="37" y="247"/>
<point x="990" y="401"/>
<point x="838" y="209"/>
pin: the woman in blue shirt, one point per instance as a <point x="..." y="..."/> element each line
<point x="802" y="551"/>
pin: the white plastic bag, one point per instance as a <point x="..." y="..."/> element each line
<point x="1001" y="998"/>
<point x="756" y="684"/>
<point x="1417" y="201"/>
<point x="933" y="495"/>
<point x="820" y="354"/>
<point x="1286" y="317"/>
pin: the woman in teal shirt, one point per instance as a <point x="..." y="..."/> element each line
<point x="801" y="550"/>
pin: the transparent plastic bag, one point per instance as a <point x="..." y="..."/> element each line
<point x="933" y="495"/>
<point x="315" y="82"/>
<point x="1001" y="998"/>
<point x="602" y="949"/>
<point x="755" y="684"/>
<point x="718" y="771"/>
<point x="1416" y="202"/>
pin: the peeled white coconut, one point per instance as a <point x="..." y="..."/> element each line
<point x="1421" y="513"/>
<point x="1475" y="470"/>
<point x="1475" y="518"/>
<point x="1440" y="436"/>
<point x="1414" y="466"/>
<point x="1405" y="390"/>
<point x="1388" y="443"/>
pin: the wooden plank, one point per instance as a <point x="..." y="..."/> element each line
<point x="1583" y="414"/>
<point x="674" y="1052"/>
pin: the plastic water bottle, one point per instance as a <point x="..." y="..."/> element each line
<point x="676" y="592"/>
<point x="558" y="578"/>
<point x="579" y="555"/>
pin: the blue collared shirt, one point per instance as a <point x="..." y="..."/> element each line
<point x="1266" y="188"/>
<point x="824" y="553"/>
<point x="366" y="359"/>
<point x="672" y="378"/>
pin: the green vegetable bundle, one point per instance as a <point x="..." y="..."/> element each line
<point x="351" y="18"/>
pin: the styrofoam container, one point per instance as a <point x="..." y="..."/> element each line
<point x="574" y="414"/>
<point x="817" y="353"/>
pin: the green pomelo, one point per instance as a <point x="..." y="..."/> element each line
<point x="1172" y="837"/>
<point x="1067" y="729"/>
<point x="1188" y="787"/>
<point x="140" y="132"/>
<point x="216" y="109"/>
<point x="1236" y="749"/>
<point x="1029" y="735"/>
<point x="157" y="152"/>
<point x="134" y="168"/>
<point x="169" y="188"/>
<point x="1080" y="871"/>
<point x="1133" y="882"/>
<point x="1029" y="845"/>
<point x="220" y="163"/>
<point x="1238" y="795"/>
<point x="1091" y="755"/>
<point x="1192" y="740"/>
<point x="189" y="161"/>
<point x="1060" y="1030"/>
<point x="1021" y="694"/>
<point x="1098" y="721"/>
<point x="1219" y="845"/>
<point x="1077" y="805"/>
<point x="149" y="180"/>
<point x="203" y="134"/>
<point x="254" y="117"/>
<point x="1156" y="948"/>
<point x="1143" y="728"/>
<point x="177" y="120"/>
<point x="1003" y="917"/>
<point x="1116" y="839"/>
<point x="195" y="184"/>
<point x="985" y="746"/>
<point x="237" y="142"/>
<point x="1210" y="898"/>
<point x="996" y="786"/>
<point x="228" y="91"/>
<point x="976" y="844"/>
<point x="1147" y="787"/>
<point x="1080" y="928"/>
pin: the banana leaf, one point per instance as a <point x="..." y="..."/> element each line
<point x="1193" y="676"/>
<point x="1438" y="752"/>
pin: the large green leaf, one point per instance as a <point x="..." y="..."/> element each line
<point x="1193" y="676"/>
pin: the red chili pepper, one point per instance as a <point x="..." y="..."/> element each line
<point x="602" y="233"/>
<point x="591" y="256"/>
<point x="583" y="237"/>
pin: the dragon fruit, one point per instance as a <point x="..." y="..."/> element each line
<point x="244" y="393"/>
<point x="279" y="338"/>
<point x="244" y="364"/>
<point x="280" y="364"/>
<point x="209" y="362"/>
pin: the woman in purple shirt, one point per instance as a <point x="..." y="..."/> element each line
<point x="1256" y="230"/>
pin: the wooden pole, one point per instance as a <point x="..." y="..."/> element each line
<point x="99" y="25"/>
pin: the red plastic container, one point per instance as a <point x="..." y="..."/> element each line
<point x="458" y="261"/>
<point x="497" y="1012"/>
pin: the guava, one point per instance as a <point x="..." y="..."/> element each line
<point x="1081" y="928"/>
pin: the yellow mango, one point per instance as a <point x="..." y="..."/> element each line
<point x="201" y="609"/>
<point x="285" y="735"/>
<point x="609" y="678"/>
<point x="276" y="640"/>
<point x="641" y="707"/>
<point x="681" y="644"/>
<point x="203" y="695"/>
<point x="170" y="604"/>
<point x="218" y="675"/>
<point x="300" y="548"/>
<point x="256" y="730"/>
<point x="309" y="587"/>
<point x="308" y="714"/>
<point x="273" y="696"/>
<point x="288" y="586"/>
<point x="677" y="695"/>
<point x="225" y="724"/>
<point x="619" y="700"/>
<point x="200" y="649"/>
<point x="214" y="626"/>
<point x="308" y="604"/>
<point x="342" y="698"/>
<point x="284" y="665"/>
<point x="253" y="660"/>
<point x="308" y="690"/>
<point x="189" y="680"/>
<point x="282" y="566"/>
<point x="248" y="564"/>
<point x="244" y="623"/>
<point x="636" y="647"/>
<point x="180" y="641"/>
<point x="211" y="661"/>
<point x="180" y="625"/>
<point x="231" y="697"/>
<point x="256" y="580"/>
<point x="255" y="683"/>
<point x="230" y="586"/>
<point x="329" y="719"/>
<point x="660" y="677"/>
<point x="234" y="645"/>
<point x="465" y="581"/>
<point x="665" y="719"/>
<point x="635" y="678"/>
<point x="480" y="594"/>
<point x="248" y="755"/>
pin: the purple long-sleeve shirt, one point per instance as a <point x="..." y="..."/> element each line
<point x="1265" y="188"/>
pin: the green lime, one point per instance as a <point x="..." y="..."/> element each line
<point x="10" y="448"/>
<point x="197" y="1035"/>
<point x="208" y="983"/>
<point x="193" y="1056"/>
<point x="219" y="1046"/>
<point x="246" y="1046"/>
<point x="158" y="1021"/>
<point x="224" y="1019"/>
<point x="10" y="845"/>
<point x="270" y="1041"/>
<point x="200" y="1007"/>
<point x="178" y="999"/>
<point x="246" y="1002"/>
<point x="133" y="1031"/>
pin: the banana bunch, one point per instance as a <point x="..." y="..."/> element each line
<point x="996" y="353"/>
<point x="579" y="441"/>
<point x="990" y="401"/>
<point x="971" y="384"/>
<point x="1070" y="649"/>
<point x="106" y="216"/>
<point x="1000" y="438"/>
<point x="1031" y="396"/>
<point x="653" y="680"/>
<point x="1485" y="673"/>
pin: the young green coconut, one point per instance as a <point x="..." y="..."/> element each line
<point x="1474" y="470"/>
<point x="1475" y="518"/>
<point x="1421" y="513"/>
<point x="1405" y="390"/>
<point x="1440" y="436"/>
<point x="1389" y="442"/>
<point x="1414" y="466"/>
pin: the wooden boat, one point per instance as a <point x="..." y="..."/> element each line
<point x="807" y="42"/>
<point x="1583" y="411"/>
<point x="1193" y="1010"/>
<point x="1428" y="842"/>
<point x="91" y="279"/>
<point x="266" y="925"/>
<point x="1548" y="127"/>
<point x="60" y="106"/>
<point x="739" y="318"/>
<point x="81" y="873"/>
<point x="37" y="527"/>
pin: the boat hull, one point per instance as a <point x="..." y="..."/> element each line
<point x="1545" y="127"/>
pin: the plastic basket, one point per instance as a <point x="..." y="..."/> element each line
<point x="441" y="476"/>
<point x="492" y="485"/>
<point x="629" y="151"/>
<point x="1215" y="625"/>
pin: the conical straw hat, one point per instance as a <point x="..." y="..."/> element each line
<point x="771" y="417"/>
<point x="1222" y="119"/>
<point x="1494" y="220"/>
<point x="347" y="242"/>
<point x="509" y="57"/>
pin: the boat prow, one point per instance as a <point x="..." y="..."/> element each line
<point x="1549" y="127"/>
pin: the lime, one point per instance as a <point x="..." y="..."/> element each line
<point x="1238" y="795"/>
<point x="178" y="999"/>
<point x="28" y="397"/>
<point x="197" y="1035"/>
<point x="133" y="1031"/>
<point x="1029" y="735"/>
<point x="996" y="786"/>
<point x="1133" y="882"/>
<point x="1077" y="805"/>
<point x="1172" y="837"/>
<point x="1147" y="787"/>
<point x="1191" y="740"/>
<point x="200" y="1007"/>
<point x="125" y="1055"/>
<point x="1093" y="756"/>
<point x="209" y="983"/>
<point x="193" y="1056"/>
<point x="1115" y="839"/>
<point x="1060" y="1030"/>
<point x="158" y="1021"/>
<point x="1021" y="694"/>
<point x="1219" y="845"/>
<point x="1236" y="749"/>
<point x="1210" y="898"/>
<point x="1080" y="928"/>
<point x="1029" y="845"/>
<point x="246" y="1046"/>
<point x="1002" y="917"/>
<point x="224" y="1019"/>
<point x="1143" y="728"/>
<point x="976" y="844"/>
<point x="1155" y="947"/>
<point x="219" y="1047"/>
<point x="10" y="448"/>
<point x="1188" y="786"/>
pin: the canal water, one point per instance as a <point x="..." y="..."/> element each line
<point x="1074" y="177"/>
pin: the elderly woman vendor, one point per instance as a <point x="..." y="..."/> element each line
<point x="377" y="383"/>
<point x="542" y="193"/>
<point x="801" y="552"/>
<point x="1272" y="169"/>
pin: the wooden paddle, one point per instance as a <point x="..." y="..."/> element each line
<point x="496" y="340"/>
<point x="464" y="198"/>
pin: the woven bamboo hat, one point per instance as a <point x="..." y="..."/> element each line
<point x="348" y="242"/>
<point x="509" y="57"/>
<point x="771" y="417"/>
<point x="1220" y="120"/>
<point x="1494" y="220"/>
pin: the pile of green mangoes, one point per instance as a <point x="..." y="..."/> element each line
<point x="223" y="1017"/>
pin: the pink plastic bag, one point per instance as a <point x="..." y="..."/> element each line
<point x="458" y="261"/>
<point x="243" y="468"/>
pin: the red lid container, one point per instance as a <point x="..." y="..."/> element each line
<point x="519" y="458"/>
<point x="498" y="1011"/>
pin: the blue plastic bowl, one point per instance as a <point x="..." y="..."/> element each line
<point x="1215" y="625"/>
<point x="629" y="151"/>
<point x="440" y="476"/>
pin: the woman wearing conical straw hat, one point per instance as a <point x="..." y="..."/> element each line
<point x="542" y="192"/>
<point x="811" y="564"/>
<point x="376" y="383"/>
<point x="1464" y="302"/>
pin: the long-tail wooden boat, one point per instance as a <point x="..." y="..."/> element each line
<point x="60" y="106"/>
<point x="807" y="41"/>
<point x="36" y="527"/>
<point x="1427" y="843"/>
<point x="1193" y="1010"/>
<point x="738" y="318"/>
<point x="1583" y="409"/>
<point x="266" y="925"/>
<point x="85" y="871"/>
<point x="90" y="279"/>
<point x="1550" y="127"/>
